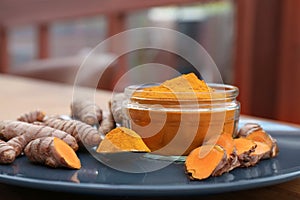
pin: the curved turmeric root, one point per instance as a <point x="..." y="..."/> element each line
<point x="116" y="107"/>
<point x="205" y="161"/>
<point x="52" y="152"/>
<point x="7" y="153"/>
<point x="107" y="123"/>
<point x="83" y="133"/>
<point x="122" y="139"/>
<point x="86" y="111"/>
<point x="32" y="116"/>
<point x="20" y="133"/>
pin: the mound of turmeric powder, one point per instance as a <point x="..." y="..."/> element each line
<point x="122" y="139"/>
<point x="186" y="86"/>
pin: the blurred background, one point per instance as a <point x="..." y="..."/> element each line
<point x="255" y="44"/>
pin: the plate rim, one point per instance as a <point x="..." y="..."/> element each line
<point x="149" y="190"/>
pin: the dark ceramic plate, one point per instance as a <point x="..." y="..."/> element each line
<point x="97" y="178"/>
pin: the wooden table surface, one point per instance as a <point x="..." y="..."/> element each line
<point x="19" y="95"/>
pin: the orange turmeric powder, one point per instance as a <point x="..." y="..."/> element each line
<point x="186" y="86"/>
<point x="122" y="139"/>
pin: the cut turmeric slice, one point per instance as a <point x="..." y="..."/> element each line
<point x="262" y="151"/>
<point x="122" y="139"/>
<point x="52" y="152"/>
<point x="204" y="161"/>
<point x="248" y="128"/>
<point x="262" y="136"/>
<point x="67" y="155"/>
<point x="244" y="148"/>
<point x="225" y="140"/>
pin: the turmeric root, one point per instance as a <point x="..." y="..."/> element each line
<point x="107" y="123"/>
<point x="116" y="107"/>
<point x="7" y="153"/>
<point x="32" y="116"/>
<point x="86" y="111"/>
<point x="83" y="133"/>
<point x="10" y="129"/>
<point x="245" y="148"/>
<point x="20" y="133"/>
<point x="122" y="139"/>
<point x="204" y="161"/>
<point x="52" y="152"/>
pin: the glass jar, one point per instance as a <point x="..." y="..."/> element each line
<point x="176" y="126"/>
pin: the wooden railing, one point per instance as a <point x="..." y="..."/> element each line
<point x="42" y="13"/>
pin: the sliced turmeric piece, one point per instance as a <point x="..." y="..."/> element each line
<point x="244" y="148"/>
<point x="262" y="151"/>
<point x="264" y="137"/>
<point x="204" y="161"/>
<point x="225" y="140"/>
<point x="122" y="139"/>
<point x="248" y="128"/>
<point x="52" y="152"/>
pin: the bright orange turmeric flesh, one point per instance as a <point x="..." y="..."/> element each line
<point x="67" y="154"/>
<point x="52" y="152"/>
<point x="244" y="148"/>
<point x="226" y="141"/>
<point x="204" y="161"/>
<point x="263" y="137"/>
<point x="244" y="145"/>
<point x="262" y="150"/>
<point x="122" y="139"/>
